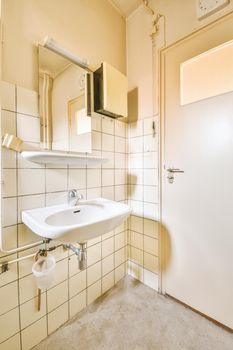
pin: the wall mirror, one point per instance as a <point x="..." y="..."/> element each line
<point x="65" y="103"/>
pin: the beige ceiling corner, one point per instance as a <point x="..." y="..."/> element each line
<point x="125" y="8"/>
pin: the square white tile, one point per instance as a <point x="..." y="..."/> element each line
<point x="93" y="178"/>
<point x="107" y="143"/>
<point x="28" y="128"/>
<point x="27" y="102"/>
<point x="29" y="312"/>
<point x="107" y="177"/>
<point x="107" y="264"/>
<point x="96" y="140"/>
<point x="31" y="181"/>
<point x="120" y="177"/>
<point x="120" y="128"/>
<point x="57" y="295"/>
<point x="108" y="192"/>
<point x="93" y="292"/>
<point x="8" y="158"/>
<point x="120" y="161"/>
<point x="151" y="194"/>
<point x="9" y="238"/>
<point x="77" y="179"/>
<point x="34" y="334"/>
<point x="9" y="211"/>
<point x="77" y="303"/>
<point x="93" y="273"/>
<point x="107" y="125"/>
<point x="136" y="145"/>
<point x="12" y="343"/>
<point x="9" y="183"/>
<point x="120" y="144"/>
<point x="9" y="296"/>
<point x="151" y="177"/>
<point x="9" y="324"/>
<point x="108" y="281"/>
<point x="8" y="96"/>
<point x="56" y="180"/>
<point x="57" y="317"/>
<point x="77" y="283"/>
<point x="8" y="123"/>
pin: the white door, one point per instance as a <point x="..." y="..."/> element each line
<point x="197" y="208"/>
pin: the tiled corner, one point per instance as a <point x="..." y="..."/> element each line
<point x="143" y="197"/>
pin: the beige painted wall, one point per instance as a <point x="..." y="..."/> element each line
<point x="181" y="17"/>
<point x="142" y="61"/>
<point x="91" y="29"/>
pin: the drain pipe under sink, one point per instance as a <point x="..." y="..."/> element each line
<point x="81" y="254"/>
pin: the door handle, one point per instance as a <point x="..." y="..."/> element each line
<point x="171" y="172"/>
<point x="174" y="170"/>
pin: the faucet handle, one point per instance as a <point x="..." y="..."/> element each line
<point x="72" y="193"/>
<point x="79" y="196"/>
<point x="73" y="197"/>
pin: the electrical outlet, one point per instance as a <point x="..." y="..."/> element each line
<point x="208" y="7"/>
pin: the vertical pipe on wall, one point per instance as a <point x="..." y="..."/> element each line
<point x="158" y="42"/>
<point x="46" y="112"/>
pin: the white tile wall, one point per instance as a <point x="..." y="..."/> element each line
<point x="144" y="199"/>
<point x="132" y="177"/>
<point x="8" y="96"/>
<point x="78" y="303"/>
<point x="27" y="102"/>
<point x="26" y="186"/>
<point x="32" y="132"/>
<point x="8" y="122"/>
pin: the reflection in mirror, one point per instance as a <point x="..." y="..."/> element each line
<point x="65" y="104"/>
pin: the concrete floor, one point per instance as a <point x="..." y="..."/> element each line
<point x="132" y="316"/>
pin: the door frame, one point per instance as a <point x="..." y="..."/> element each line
<point x="163" y="243"/>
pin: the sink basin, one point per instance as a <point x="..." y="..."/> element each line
<point x="80" y="223"/>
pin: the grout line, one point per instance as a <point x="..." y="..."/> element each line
<point x="67" y="301"/>
<point x="101" y="248"/>
<point x="68" y="282"/>
<point x="16" y="112"/>
<point x="12" y="337"/>
<point x="17" y="226"/>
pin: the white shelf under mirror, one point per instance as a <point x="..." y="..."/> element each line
<point x="51" y="157"/>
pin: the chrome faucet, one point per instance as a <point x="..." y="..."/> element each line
<point x="73" y="197"/>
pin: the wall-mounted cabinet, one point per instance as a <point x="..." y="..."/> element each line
<point x="110" y="91"/>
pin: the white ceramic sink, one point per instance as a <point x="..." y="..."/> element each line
<point x="85" y="221"/>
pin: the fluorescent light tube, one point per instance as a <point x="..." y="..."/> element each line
<point x="52" y="45"/>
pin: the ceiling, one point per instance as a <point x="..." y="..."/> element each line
<point x="126" y="7"/>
